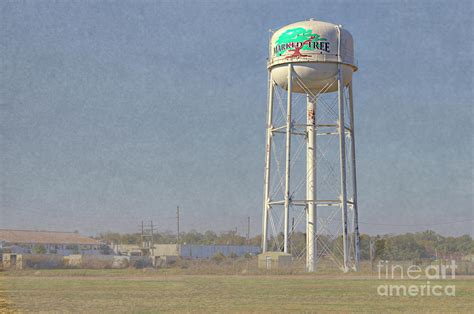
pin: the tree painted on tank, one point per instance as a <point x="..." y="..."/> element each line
<point x="296" y="39"/>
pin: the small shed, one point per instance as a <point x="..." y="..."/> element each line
<point x="12" y="261"/>
<point x="274" y="260"/>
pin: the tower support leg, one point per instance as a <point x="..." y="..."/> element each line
<point x="311" y="246"/>
<point x="342" y="166"/>
<point x="268" y="151"/>
<point x="288" y="161"/>
<point x="355" y="215"/>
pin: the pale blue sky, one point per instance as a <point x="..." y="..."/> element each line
<point x="114" y="112"/>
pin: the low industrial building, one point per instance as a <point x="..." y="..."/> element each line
<point x="195" y="251"/>
<point x="47" y="242"/>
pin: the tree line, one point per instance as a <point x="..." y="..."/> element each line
<point x="409" y="246"/>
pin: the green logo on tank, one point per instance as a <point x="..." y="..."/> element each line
<point x="296" y="39"/>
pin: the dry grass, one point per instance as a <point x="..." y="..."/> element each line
<point x="5" y="303"/>
<point x="173" y="290"/>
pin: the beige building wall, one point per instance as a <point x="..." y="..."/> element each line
<point x="166" y="250"/>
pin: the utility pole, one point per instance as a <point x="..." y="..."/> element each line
<point x="372" y="253"/>
<point x="147" y="244"/>
<point x="143" y="234"/>
<point x="248" y="230"/>
<point x="291" y="234"/>
<point x="152" y="242"/>
<point x="177" y="223"/>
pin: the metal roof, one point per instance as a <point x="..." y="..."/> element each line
<point x="44" y="237"/>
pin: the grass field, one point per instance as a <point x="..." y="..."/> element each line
<point x="157" y="291"/>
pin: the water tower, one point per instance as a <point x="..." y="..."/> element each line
<point x="310" y="108"/>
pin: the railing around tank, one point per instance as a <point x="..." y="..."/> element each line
<point x="312" y="57"/>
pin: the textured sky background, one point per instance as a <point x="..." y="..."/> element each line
<point x="115" y="112"/>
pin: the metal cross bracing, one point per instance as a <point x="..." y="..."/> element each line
<point x="321" y="197"/>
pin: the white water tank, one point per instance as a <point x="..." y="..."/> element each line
<point x="314" y="49"/>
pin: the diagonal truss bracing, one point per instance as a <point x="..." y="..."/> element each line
<point x="335" y="236"/>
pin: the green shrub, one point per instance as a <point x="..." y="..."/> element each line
<point x="39" y="249"/>
<point x="218" y="257"/>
